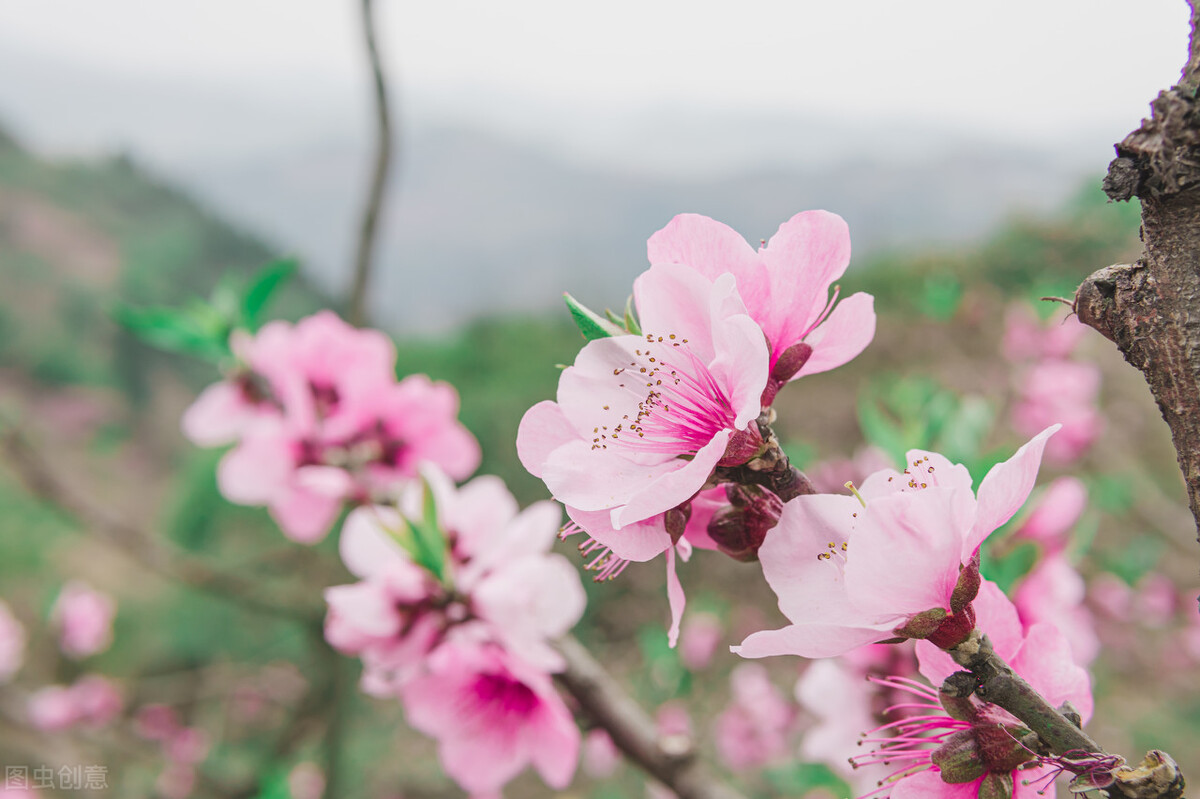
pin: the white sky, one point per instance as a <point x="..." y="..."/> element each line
<point x="1017" y="67"/>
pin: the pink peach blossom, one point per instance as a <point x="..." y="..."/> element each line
<point x="1062" y="392"/>
<point x="902" y="565"/>
<point x="1053" y="592"/>
<point x="601" y="757"/>
<point x="319" y="419"/>
<point x="785" y="286"/>
<point x="699" y="637"/>
<point x="1055" y="511"/>
<point x="754" y="729"/>
<point x="1111" y="595"/>
<point x="492" y="715"/>
<point x="1041" y="656"/>
<point x="642" y="421"/>
<point x="93" y="701"/>
<point x="500" y="573"/>
<point x="84" y="618"/>
<point x="1154" y="600"/>
<point x="1027" y="338"/>
<point x="844" y="704"/>
<point x="12" y="644"/>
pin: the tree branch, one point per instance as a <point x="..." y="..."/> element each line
<point x="1157" y="778"/>
<point x="633" y="732"/>
<point x="1150" y="309"/>
<point x="367" y="233"/>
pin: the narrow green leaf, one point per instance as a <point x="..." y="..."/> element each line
<point x="591" y="324"/>
<point x="631" y="322"/>
<point x="175" y="330"/>
<point x="262" y="287"/>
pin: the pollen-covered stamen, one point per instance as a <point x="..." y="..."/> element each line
<point x="835" y="551"/>
<point x="918" y="474"/>
<point x="603" y="561"/>
<point x="679" y="406"/>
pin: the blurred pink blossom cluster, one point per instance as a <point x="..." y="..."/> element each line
<point x="643" y="422"/>
<point x="755" y="729"/>
<point x="84" y="618"/>
<point x="183" y="748"/>
<point x="457" y="602"/>
<point x="317" y="418"/>
<point x="92" y="701"/>
<point x="1051" y="387"/>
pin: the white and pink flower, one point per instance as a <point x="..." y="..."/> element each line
<point x="899" y="560"/>
<point x="785" y="285"/>
<point x="492" y="715"/>
<point x="319" y="419"/>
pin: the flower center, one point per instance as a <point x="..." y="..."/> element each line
<point x="504" y="695"/>
<point x="676" y="405"/>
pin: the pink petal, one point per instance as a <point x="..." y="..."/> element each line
<point x="365" y="545"/>
<point x="637" y="542"/>
<point x="544" y="428"/>
<point x="805" y="256"/>
<point x="844" y="334"/>
<point x="929" y="785"/>
<point x="304" y="516"/>
<point x="1046" y="663"/>
<point x="913" y="564"/>
<point x="256" y="470"/>
<point x="676" y="299"/>
<point x="809" y="640"/>
<point x="554" y="743"/>
<point x="675" y="598"/>
<point x="706" y="245"/>
<point x="588" y="479"/>
<point x="1005" y="488"/>
<point x="216" y="416"/>
<point x="534" y="598"/>
<point x="741" y="365"/>
<point x="366" y="606"/>
<point x="673" y="488"/>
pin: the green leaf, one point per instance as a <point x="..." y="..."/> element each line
<point x="274" y="786"/>
<point x="591" y="324"/>
<point x="1006" y="569"/>
<point x="261" y="288"/>
<point x="797" y="779"/>
<point x="186" y="331"/>
<point x="631" y="322"/>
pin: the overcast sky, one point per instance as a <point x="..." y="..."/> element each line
<point x="1016" y="68"/>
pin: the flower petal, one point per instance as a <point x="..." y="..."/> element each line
<point x="1005" y="488"/>
<point x="846" y="332"/>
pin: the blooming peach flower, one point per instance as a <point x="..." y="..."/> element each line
<point x="492" y="715"/>
<point x="319" y="419"/>
<point x="500" y="574"/>
<point x="754" y="729"/>
<point x="698" y="640"/>
<point x="84" y="617"/>
<point x="970" y="748"/>
<point x="1060" y="392"/>
<point x="92" y="701"/>
<point x="642" y="421"/>
<point x="785" y="286"/>
<point x="1027" y="338"/>
<point x="902" y="561"/>
<point x="1054" y="513"/>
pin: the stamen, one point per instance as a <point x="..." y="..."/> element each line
<point x="854" y="491"/>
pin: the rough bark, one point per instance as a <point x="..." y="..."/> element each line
<point x="1151" y="309"/>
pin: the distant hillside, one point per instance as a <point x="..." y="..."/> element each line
<point x="479" y="225"/>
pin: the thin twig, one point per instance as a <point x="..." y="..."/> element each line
<point x="633" y="732"/>
<point x="367" y="233"/>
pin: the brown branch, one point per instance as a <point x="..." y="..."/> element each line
<point x="673" y="763"/>
<point x="994" y="681"/>
<point x="1151" y="309"/>
<point x="367" y="234"/>
<point x="152" y="552"/>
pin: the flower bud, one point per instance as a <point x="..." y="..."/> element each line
<point x="959" y="758"/>
<point x="739" y="529"/>
<point x="967" y="587"/>
<point x="790" y="362"/>
<point x="996" y="786"/>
